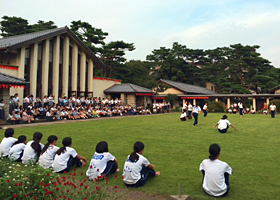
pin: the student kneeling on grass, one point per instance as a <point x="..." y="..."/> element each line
<point x="216" y="173"/>
<point x="16" y="152"/>
<point x="183" y="116"/>
<point x="7" y="142"/>
<point x="33" y="149"/>
<point x="66" y="157"/>
<point x="48" y="153"/>
<point x="102" y="162"/>
<point x="137" y="168"/>
<point x="224" y="125"/>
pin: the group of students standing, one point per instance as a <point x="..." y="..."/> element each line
<point x="189" y="111"/>
<point x="137" y="168"/>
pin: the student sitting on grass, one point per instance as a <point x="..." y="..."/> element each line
<point x="224" y="125"/>
<point x="16" y="152"/>
<point x="137" y="169"/>
<point x="183" y="116"/>
<point x="216" y="173"/>
<point x="102" y="162"/>
<point x="48" y="152"/>
<point x="66" y="157"/>
<point x="7" y="142"/>
<point x="33" y="149"/>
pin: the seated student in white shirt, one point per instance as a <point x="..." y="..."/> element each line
<point x="48" y="152"/>
<point x="102" y="163"/>
<point x="66" y="157"/>
<point x="183" y="116"/>
<point x="224" y="125"/>
<point x="137" y="169"/>
<point x="216" y="173"/>
<point x="16" y="152"/>
<point x="33" y="149"/>
<point x="7" y="142"/>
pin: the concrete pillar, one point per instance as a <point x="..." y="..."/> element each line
<point x="21" y="63"/>
<point x="228" y="103"/>
<point x="45" y="68"/>
<point x="267" y="101"/>
<point x="90" y="75"/>
<point x="123" y="98"/>
<point x="33" y="69"/>
<point x="254" y="104"/>
<point x="83" y="72"/>
<point x="65" y="66"/>
<point x="216" y="99"/>
<point x="184" y="102"/>
<point x="56" y="68"/>
<point x="74" y="67"/>
<point x="194" y="101"/>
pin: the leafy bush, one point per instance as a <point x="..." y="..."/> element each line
<point x="177" y="109"/>
<point x="216" y="106"/>
<point x="276" y="103"/>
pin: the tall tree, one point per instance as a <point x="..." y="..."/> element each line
<point x="11" y="26"/>
<point x="41" y="26"/>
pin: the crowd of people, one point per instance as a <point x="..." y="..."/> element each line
<point x="137" y="168"/>
<point x="73" y="108"/>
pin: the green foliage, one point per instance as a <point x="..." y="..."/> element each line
<point x="172" y="98"/>
<point x="216" y="106"/>
<point x="276" y="103"/>
<point x="177" y="109"/>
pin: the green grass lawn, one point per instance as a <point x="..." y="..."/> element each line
<point x="177" y="148"/>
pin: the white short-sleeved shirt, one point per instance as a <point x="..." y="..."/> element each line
<point x="204" y="107"/>
<point x="15" y="151"/>
<point x="183" y="115"/>
<point x="272" y="107"/>
<point x="47" y="158"/>
<point x="190" y="107"/>
<point x="196" y="109"/>
<point x="6" y="145"/>
<point x="240" y="105"/>
<point x="223" y="123"/>
<point x="60" y="161"/>
<point x="132" y="170"/>
<point x="98" y="161"/>
<point x="29" y="154"/>
<point x="214" y="180"/>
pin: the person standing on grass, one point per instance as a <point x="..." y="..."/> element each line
<point x="240" y="105"/>
<point x="137" y="169"/>
<point x="272" y="109"/>
<point x="205" y="109"/>
<point x="102" y="162"/>
<point x="190" y="108"/>
<point x="224" y="125"/>
<point x="195" y="112"/>
<point x="215" y="173"/>
<point x="66" y="157"/>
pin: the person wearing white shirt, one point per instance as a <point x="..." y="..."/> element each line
<point x="102" y="163"/>
<point x="33" y="149"/>
<point x="190" y="108"/>
<point x="16" y="152"/>
<point x="195" y="112"/>
<point x="272" y="109"/>
<point x="48" y="152"/>
<point x="7" y="142"/>
<point x="205" y="109"/>
<point x="183" y="116"/>
<point x="240" y="105"/>
<point x="137" y="169"/>
<point x="66" y="157"/>
<point x="215" y="173"/>
<point x="223" y="125"/>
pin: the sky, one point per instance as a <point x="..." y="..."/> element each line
<point x="151" y="24"/>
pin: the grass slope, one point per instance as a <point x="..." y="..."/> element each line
<point x="177" y="148"/>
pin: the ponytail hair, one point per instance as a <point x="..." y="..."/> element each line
<point x="51" y="139"/>
<point x="66" y="142"/>
<point x="37" y="136"/>
<point x="21" y="139"/>
<point x="138" y="146"/>
<point x="214" y="151"/>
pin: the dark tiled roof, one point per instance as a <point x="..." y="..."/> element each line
<point x="9" y="79"/>
<point x="127" y="88"/>
<point x="187" y="88"/>
<point x="274" y="89"/>
<point x="18" y="41"/>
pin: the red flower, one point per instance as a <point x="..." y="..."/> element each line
<point x="54" y="199"/>
<point x="69" y="198"/>
<point x="82" y="174"/>
<point x="57" y="189"/>
<point x="67" y="191"/>
<point x="54" y="184"/>
<point x="34" y="197"/>
<point x="97" y="170"/>
<point x="116" y="187"/>
<point x="8" y="181"/>
<point x="116" y="176"/>
<point x="98" y="188"/>
<point x="64" y="197"/>
<point x="57" y="178"/>
<point x="74" y="174"/>
<point x="59" y="196"/>
<point x="86" y="187"/>
<point x="72" y="193"/>
<point x="74" y="169"/>
<point x="64" y="172"/>
<point x="70" y="173"/>
<point x="49" y="192"/>
<point x="85" y="198"/>
<point x="48" y="174"/>
<point x="37" y="171"/>
<point x="42" y="183"/>
<point x="122" y="177"/>
<point x="25" y="195"/>
<point x="16" y="184"/>
<point x="15" y="196"/>
<point x="20" y="184"/>
<point x="90" y="166"/>
<point x="85" y="180"/>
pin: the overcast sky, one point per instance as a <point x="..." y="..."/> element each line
<point x="151" y="24"/>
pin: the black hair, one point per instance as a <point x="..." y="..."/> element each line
<point x="214" y="151"/>
<point x="9" y="132"/>
<point x="21" y="139"/>
<point x="37" y="136"/>
<point x="138" y="146"/>
<point x="66" y="142"/>
<point x="184" y="110"/>
<point x="51" y="139"/>
<point x="102" y="147"/>
<point x="224" y="117"/>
